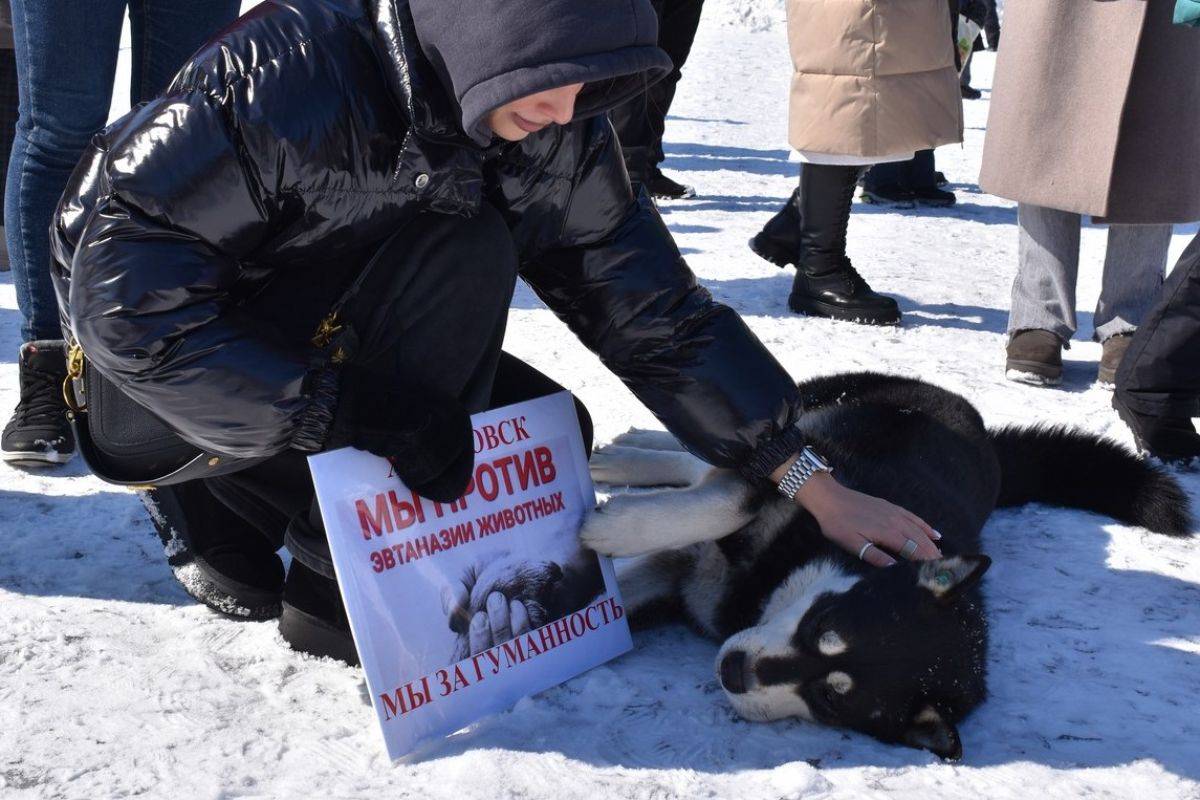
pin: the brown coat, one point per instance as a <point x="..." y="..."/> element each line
<point x="1096" y="110"/>
<point x="872" y="77"/>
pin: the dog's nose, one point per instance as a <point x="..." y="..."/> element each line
<point x="733" y="672"/>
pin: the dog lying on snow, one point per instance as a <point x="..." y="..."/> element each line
<point x="809" y="631"/>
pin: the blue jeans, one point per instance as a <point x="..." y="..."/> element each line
<point x="66" y="65"/>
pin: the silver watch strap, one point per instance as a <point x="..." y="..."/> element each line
<point x="807" y="464"/>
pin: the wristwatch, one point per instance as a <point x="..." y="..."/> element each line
<point x="804" y="467"/>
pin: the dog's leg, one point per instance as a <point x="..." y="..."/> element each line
<point x="632" y="524"/>
<point x="648" y="439"/>
<point x="632" y="466"/>
<point x="650" y="584"/>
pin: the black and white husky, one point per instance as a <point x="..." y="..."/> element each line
<point x="898" y="653"/>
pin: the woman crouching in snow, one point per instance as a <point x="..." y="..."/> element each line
<point x="206" y="237"/>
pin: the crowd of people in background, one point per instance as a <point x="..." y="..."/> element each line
<point x="1112" y="137"/>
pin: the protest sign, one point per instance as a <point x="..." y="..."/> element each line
<point x="460" y="609"/>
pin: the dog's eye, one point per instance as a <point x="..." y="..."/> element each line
<point x="829" y="643"/>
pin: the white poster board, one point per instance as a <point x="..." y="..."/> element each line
<point x="459" y="610"/>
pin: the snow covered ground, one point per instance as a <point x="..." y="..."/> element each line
<point x="113" y="683"/>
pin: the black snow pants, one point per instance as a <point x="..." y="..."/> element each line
<point x="641" y="121"/>
<point x="443" y="291"/>
<point x="1160" y="373"/>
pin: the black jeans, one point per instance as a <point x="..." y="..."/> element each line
<point x="437" y="319"/>
<point x="1160" y="373"/>
<point x="641" y="121"/>
<point x="915" y="174"/>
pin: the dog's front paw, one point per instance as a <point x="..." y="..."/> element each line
<point x="632" y="466"/>
<point x="611" y="531"/>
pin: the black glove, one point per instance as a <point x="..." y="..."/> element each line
<point x="425" y="434"/>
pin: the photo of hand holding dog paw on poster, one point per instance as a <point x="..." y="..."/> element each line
<point x="459" y="610"/>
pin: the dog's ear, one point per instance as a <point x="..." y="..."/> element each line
<point x="929" y="730"/>
<point x="947" y="578"/>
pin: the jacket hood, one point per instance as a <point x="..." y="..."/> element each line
<point x="491" y="52"/>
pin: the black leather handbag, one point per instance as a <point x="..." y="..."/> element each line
<point x="125" y="444"/>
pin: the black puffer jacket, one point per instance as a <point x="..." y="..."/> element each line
<point x="299" y="139"/>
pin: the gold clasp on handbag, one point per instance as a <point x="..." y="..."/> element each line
<point x="74" y="374"/>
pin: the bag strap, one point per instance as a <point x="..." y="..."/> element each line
<point x="334" y="333"/>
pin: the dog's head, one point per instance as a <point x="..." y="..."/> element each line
<point x="898" y="654"/>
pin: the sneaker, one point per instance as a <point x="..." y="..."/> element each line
<point x="842" y="294"/>
<point x="935" y="198"/>
<point x="1034" y="357"/>
<point x="1171" y="439"/>
<point x="39" y="434"/>
<point x="314" y="619"/>
<point x="661" y="187"/>
<point x="1113" y="352"/>
<point x="890" y="196"/>
<point x="970" y="93"/>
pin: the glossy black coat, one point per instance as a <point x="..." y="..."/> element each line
<point x="297" y="140"/>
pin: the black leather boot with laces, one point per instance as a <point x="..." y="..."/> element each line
<point x="827" y="285"/>
<point x="38" y="435"/>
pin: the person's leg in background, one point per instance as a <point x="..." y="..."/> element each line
<point x="922" y="181"/>
<point x="66" y="65"/>
<point x="1158" y="382"/>
<point x="826" y="283"/>
<point x="991" y="25"/>
<point x="1042" y="317"/>
<point x="1134" y="264"/>
<point x="641" y="122"/>
<point x="8" y="108"/>
<point x="66" y="56"/>
<point x="165" y="33"/>
<point x="888" y="185"/>
<point x="964" y="80"/>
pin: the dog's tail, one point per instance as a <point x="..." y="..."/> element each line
<point x="1071" y="468"/>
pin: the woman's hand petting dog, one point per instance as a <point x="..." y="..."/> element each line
<point x="853" y="520"/>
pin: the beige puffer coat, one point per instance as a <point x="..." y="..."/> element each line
<point x="872" y="77"/>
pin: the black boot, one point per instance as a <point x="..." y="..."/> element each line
<point x="642" y="165"/>
<point x="661" y="187"/>
<point x="827" y="285"/>
<point x="38" y="434"/>
<point x="779" y="240"/>
<point x="218" y="559"/>
<point x="314" y="619"/>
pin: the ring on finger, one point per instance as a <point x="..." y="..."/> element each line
<point x="862" y="551"/>
<point x="909" y="549"/>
